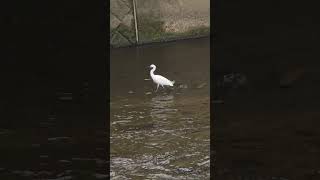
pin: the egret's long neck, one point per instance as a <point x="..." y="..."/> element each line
<point x="152" y="71"/>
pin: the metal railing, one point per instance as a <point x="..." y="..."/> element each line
<point x="135" y="20"/>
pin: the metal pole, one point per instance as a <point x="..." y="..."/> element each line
<point x="135" y="20"/>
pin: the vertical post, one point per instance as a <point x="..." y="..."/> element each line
<point x="135" y="20"/>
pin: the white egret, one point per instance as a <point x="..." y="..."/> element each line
<point x="159" y="80"/>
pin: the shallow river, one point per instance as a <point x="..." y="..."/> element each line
<point x="163" y="134"/>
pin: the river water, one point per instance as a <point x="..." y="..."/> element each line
<point x="163" y="134"/>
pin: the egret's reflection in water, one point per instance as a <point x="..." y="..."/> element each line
<point x="162" y="107"/>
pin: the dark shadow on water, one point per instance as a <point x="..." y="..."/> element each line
<point x="52" y="95"/>
<point x="267" y="127"/>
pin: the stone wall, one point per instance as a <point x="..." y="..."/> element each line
<point x="122" y="32"/>
<point x="158" y="20"/>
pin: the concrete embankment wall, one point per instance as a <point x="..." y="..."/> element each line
<point x="149" y="21"/>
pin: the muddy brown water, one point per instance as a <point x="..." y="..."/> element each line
<point x="163" y="134"/>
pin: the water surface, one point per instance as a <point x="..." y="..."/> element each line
<point x="164" y="134"/>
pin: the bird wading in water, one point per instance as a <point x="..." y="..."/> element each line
<point x="158" y="79"/>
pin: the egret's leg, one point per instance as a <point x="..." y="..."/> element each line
<point x="162" y="86"/>
<point x="157" y="87"/>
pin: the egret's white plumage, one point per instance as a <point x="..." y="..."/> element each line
<point x="158" y="79"/>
